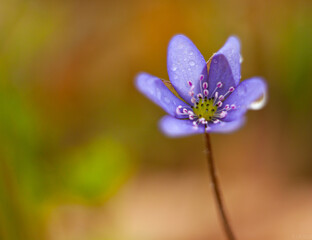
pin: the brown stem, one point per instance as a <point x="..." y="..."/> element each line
<point x="216" y="189"/>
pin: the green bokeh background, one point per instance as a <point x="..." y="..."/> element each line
<point x="75" y="132"/>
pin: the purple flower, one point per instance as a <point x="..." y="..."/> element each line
<point x="204" y="96"/>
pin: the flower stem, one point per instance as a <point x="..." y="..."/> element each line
<point x="216" y="189"/>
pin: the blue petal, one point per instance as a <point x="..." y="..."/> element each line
<point x="185" y="63"/>
<point x="227" y="127"/>
<point x="225" y="66"/>
<point x="173" y="127"/>
<point x="244" y="95"/>
<point x="155" y="90"/>
<point x="231" y="50"/>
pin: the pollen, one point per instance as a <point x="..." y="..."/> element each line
<point x="205" y="108"/>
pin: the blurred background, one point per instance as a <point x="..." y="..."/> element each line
<point x="81" y="157"/>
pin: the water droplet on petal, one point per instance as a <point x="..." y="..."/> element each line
<point x="259" y="103"/>
<point x="215" y="61"/>
<point x="173" y="68"/>
<point x="241" y="59"/>
<point x="191" y="53"/>
<point x="192" y="63"/>
<point x="175" y="77"/>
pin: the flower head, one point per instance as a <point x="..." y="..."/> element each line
<point x="202" y="96"/>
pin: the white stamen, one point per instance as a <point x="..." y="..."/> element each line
<point x="221" y="97"/>
<point x="219" y="85"/>
<point x="178" y="110"/>
<point x="231" y="89"/>
<point x="216" y="98"/>
<point x="199" y="95"/>
<point x="206" y="92"/>
<point x="193" y="100"/>
<point x="233" y="106"/>
<point x="216" y="121"/>
<point x="191" y="117"/>
<point x="184" y="110"/>
<point x="205" y="85"/>
<point x="219" y="104"/>
<point x="191" y="93"/>
<point x="201" y="120"/>
<point x="223" y="114"/>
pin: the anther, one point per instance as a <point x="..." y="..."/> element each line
<point x="199" y="95"/>
<point x="227" y="107"/>
<point x="206" y="92"/>
<point x="223" y="114"/>
<point x="201" y="120"/>
<point x="231" y="89"/>
<point x="193" y="100"/>
<point x="201" y="77"/>
<point x="190" y="83"/>
<point x="233" y="106"/>
<point x="205" y="85"/>
<point x="184" y="110"/>
<point x="219" y="85"/>
<point x="221" y="97"/>
<point x="178" y="110"/>
<point x="219" y="104"/>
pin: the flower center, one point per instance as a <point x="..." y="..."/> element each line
<point x="205" y="108"/>
<point x="208" y="107"/>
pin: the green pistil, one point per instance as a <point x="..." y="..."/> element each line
<point x="204" y="108"/>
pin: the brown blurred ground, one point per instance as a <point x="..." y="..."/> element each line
<point x="80" y="153"/>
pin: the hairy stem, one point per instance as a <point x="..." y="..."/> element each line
<point x="216" y="190"/>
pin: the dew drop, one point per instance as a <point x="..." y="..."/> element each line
<point x="241" y="59"/>
<point x="192" y="63"/>
<point x="191" y="53"/>
<point x="175" y="77"/>
<point x="259" y="103"/>
<point x="173" y="68"/>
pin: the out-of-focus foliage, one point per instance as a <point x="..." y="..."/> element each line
<point x="73" y="128"/>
